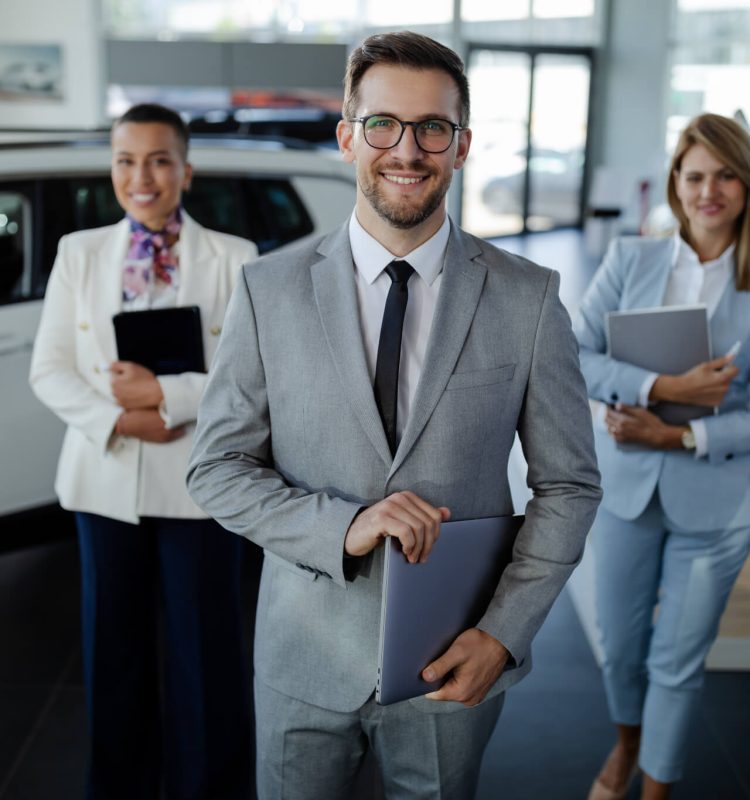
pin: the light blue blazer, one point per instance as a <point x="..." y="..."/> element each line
<point x="698" y="494"/>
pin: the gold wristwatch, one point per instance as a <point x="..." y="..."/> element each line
<point x="688" y="439"/>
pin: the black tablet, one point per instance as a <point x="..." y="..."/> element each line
<point x="166" y="340"/>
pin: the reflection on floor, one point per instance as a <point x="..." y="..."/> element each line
<point x="548" y="744"/>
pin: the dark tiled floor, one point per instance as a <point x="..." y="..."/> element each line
<point x="549" y="743"/>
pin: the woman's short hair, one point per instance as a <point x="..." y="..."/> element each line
<point x="728" y="142"/>
<point x="153" y="112"/>
<point x="403" y="49"/>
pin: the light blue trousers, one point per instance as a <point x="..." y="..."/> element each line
<point x="654" y="663"/>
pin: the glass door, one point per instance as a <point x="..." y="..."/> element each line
<point x="529" y="120"/>
<point x="495" y="172"/>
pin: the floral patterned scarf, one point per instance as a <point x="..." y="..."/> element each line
<point x="150" y="260"/>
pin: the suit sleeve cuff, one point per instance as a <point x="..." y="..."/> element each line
<point x="645" y="389"/>
<point x="698" y="427"/>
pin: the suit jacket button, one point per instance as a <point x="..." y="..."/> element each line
<point x="614" y="397"/>
<point x="729" y="456"/>
<point x="215" y="330"/>
<point x="83" y="326"/>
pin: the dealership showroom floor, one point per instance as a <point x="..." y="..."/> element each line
<point x="548" y="745"/>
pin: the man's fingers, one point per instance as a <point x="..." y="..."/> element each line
<point x="440" y="667"/>
<point x="423" y="520"/>
<point x="403" y="515"/>
<point x="405" y="524"/>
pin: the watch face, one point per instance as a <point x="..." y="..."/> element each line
<point x="688" y="440"/>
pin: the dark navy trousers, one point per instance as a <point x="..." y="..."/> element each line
<point x="194" y="738"/>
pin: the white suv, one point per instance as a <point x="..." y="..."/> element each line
<point x="263" y="191"/>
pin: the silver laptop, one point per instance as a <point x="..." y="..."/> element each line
<point x="426" y="606"/>
<point x="667" y="340"/>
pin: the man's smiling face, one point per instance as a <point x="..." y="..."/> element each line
<point x="404" y="186"/>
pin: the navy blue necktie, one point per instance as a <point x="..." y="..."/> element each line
<point x="389" y="348"/>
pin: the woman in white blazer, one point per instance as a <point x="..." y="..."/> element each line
<point x="674" y="525"/>
<point x="122" y="470"/>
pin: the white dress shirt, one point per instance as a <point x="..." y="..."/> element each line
<point x="373" y="284"/>
<point x="690" y="283"/>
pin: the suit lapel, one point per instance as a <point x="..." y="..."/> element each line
<point x="105" y="286"/>
<point x="198" y="279"/>
<point x="336" y="299"/>
<point x="460" y="290"/>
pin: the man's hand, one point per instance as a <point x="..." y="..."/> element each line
<point x="638" y="426"/>
<point x="134" y="386"/>
<point x="476" y="661"/>
<point x="413" y="521"/>
<point x="703" y="385"/>
<point x="147" y="425"/>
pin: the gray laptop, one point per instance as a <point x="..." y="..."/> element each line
<point x="668" y="340"/>
<point x="425" y="606"/>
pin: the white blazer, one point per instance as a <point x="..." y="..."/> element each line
<point x="120" y="476"/>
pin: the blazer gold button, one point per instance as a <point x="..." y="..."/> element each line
<point x="84" y="326"/>
<point x="215" y="330"/>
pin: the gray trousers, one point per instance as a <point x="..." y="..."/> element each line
<point x="308" y="753"/>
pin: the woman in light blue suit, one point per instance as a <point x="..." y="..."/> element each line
<point x="674" y="525"/>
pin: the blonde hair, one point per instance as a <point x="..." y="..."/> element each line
<point x="728" y="142"/>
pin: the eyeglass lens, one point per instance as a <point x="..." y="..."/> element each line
<point x="433" y="135"/>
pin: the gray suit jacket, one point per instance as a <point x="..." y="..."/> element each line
<point x="289" y="446"/>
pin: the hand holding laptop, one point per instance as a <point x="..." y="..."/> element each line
<point x="703" y="385"/>
<point x="476" y="660"/>
<point x="403" y="515"/>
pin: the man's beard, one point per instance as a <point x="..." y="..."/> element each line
<point x="403" y="214"/>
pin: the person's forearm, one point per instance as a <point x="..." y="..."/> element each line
<point x="672" y="437"/>
<point x="665" y="389"/>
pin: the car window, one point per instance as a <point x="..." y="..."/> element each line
<point x="267" y="211"/>
<point x="15" y="254"/>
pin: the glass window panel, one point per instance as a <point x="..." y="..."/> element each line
<point x="14" y="221"/>
<point x="718" y="88"/>
<point x="558" y="140"/>
<point x="478" y="10"/>
<point x="493" y="183"/>
<point x="563" y="8"/>
<point x="711" y="5"/>
<point x="395" y="13"/>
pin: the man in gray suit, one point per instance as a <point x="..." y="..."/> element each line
<point x="370" y="384"/>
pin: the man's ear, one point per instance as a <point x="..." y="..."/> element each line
<point x="462" y="151"/>
<point x="345" y="138"/>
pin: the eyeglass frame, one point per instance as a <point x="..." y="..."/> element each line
<point x="413" y="125"/>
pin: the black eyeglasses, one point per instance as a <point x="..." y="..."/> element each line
<point x="432" y="135"/>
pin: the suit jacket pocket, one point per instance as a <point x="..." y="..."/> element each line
<point x="480" y="377"/>
<point x="297" y="569"/>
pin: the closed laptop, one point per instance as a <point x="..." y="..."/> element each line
<point x="427" y="605"/>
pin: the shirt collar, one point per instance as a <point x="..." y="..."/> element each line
<point x="684" y="254"/>
<point x="371" y="257"/>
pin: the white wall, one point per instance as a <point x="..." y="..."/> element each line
<point x="74" y="25"/>
<point x="630" y="106"/>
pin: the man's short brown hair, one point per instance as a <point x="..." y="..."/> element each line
<point x="404" y="49"/>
